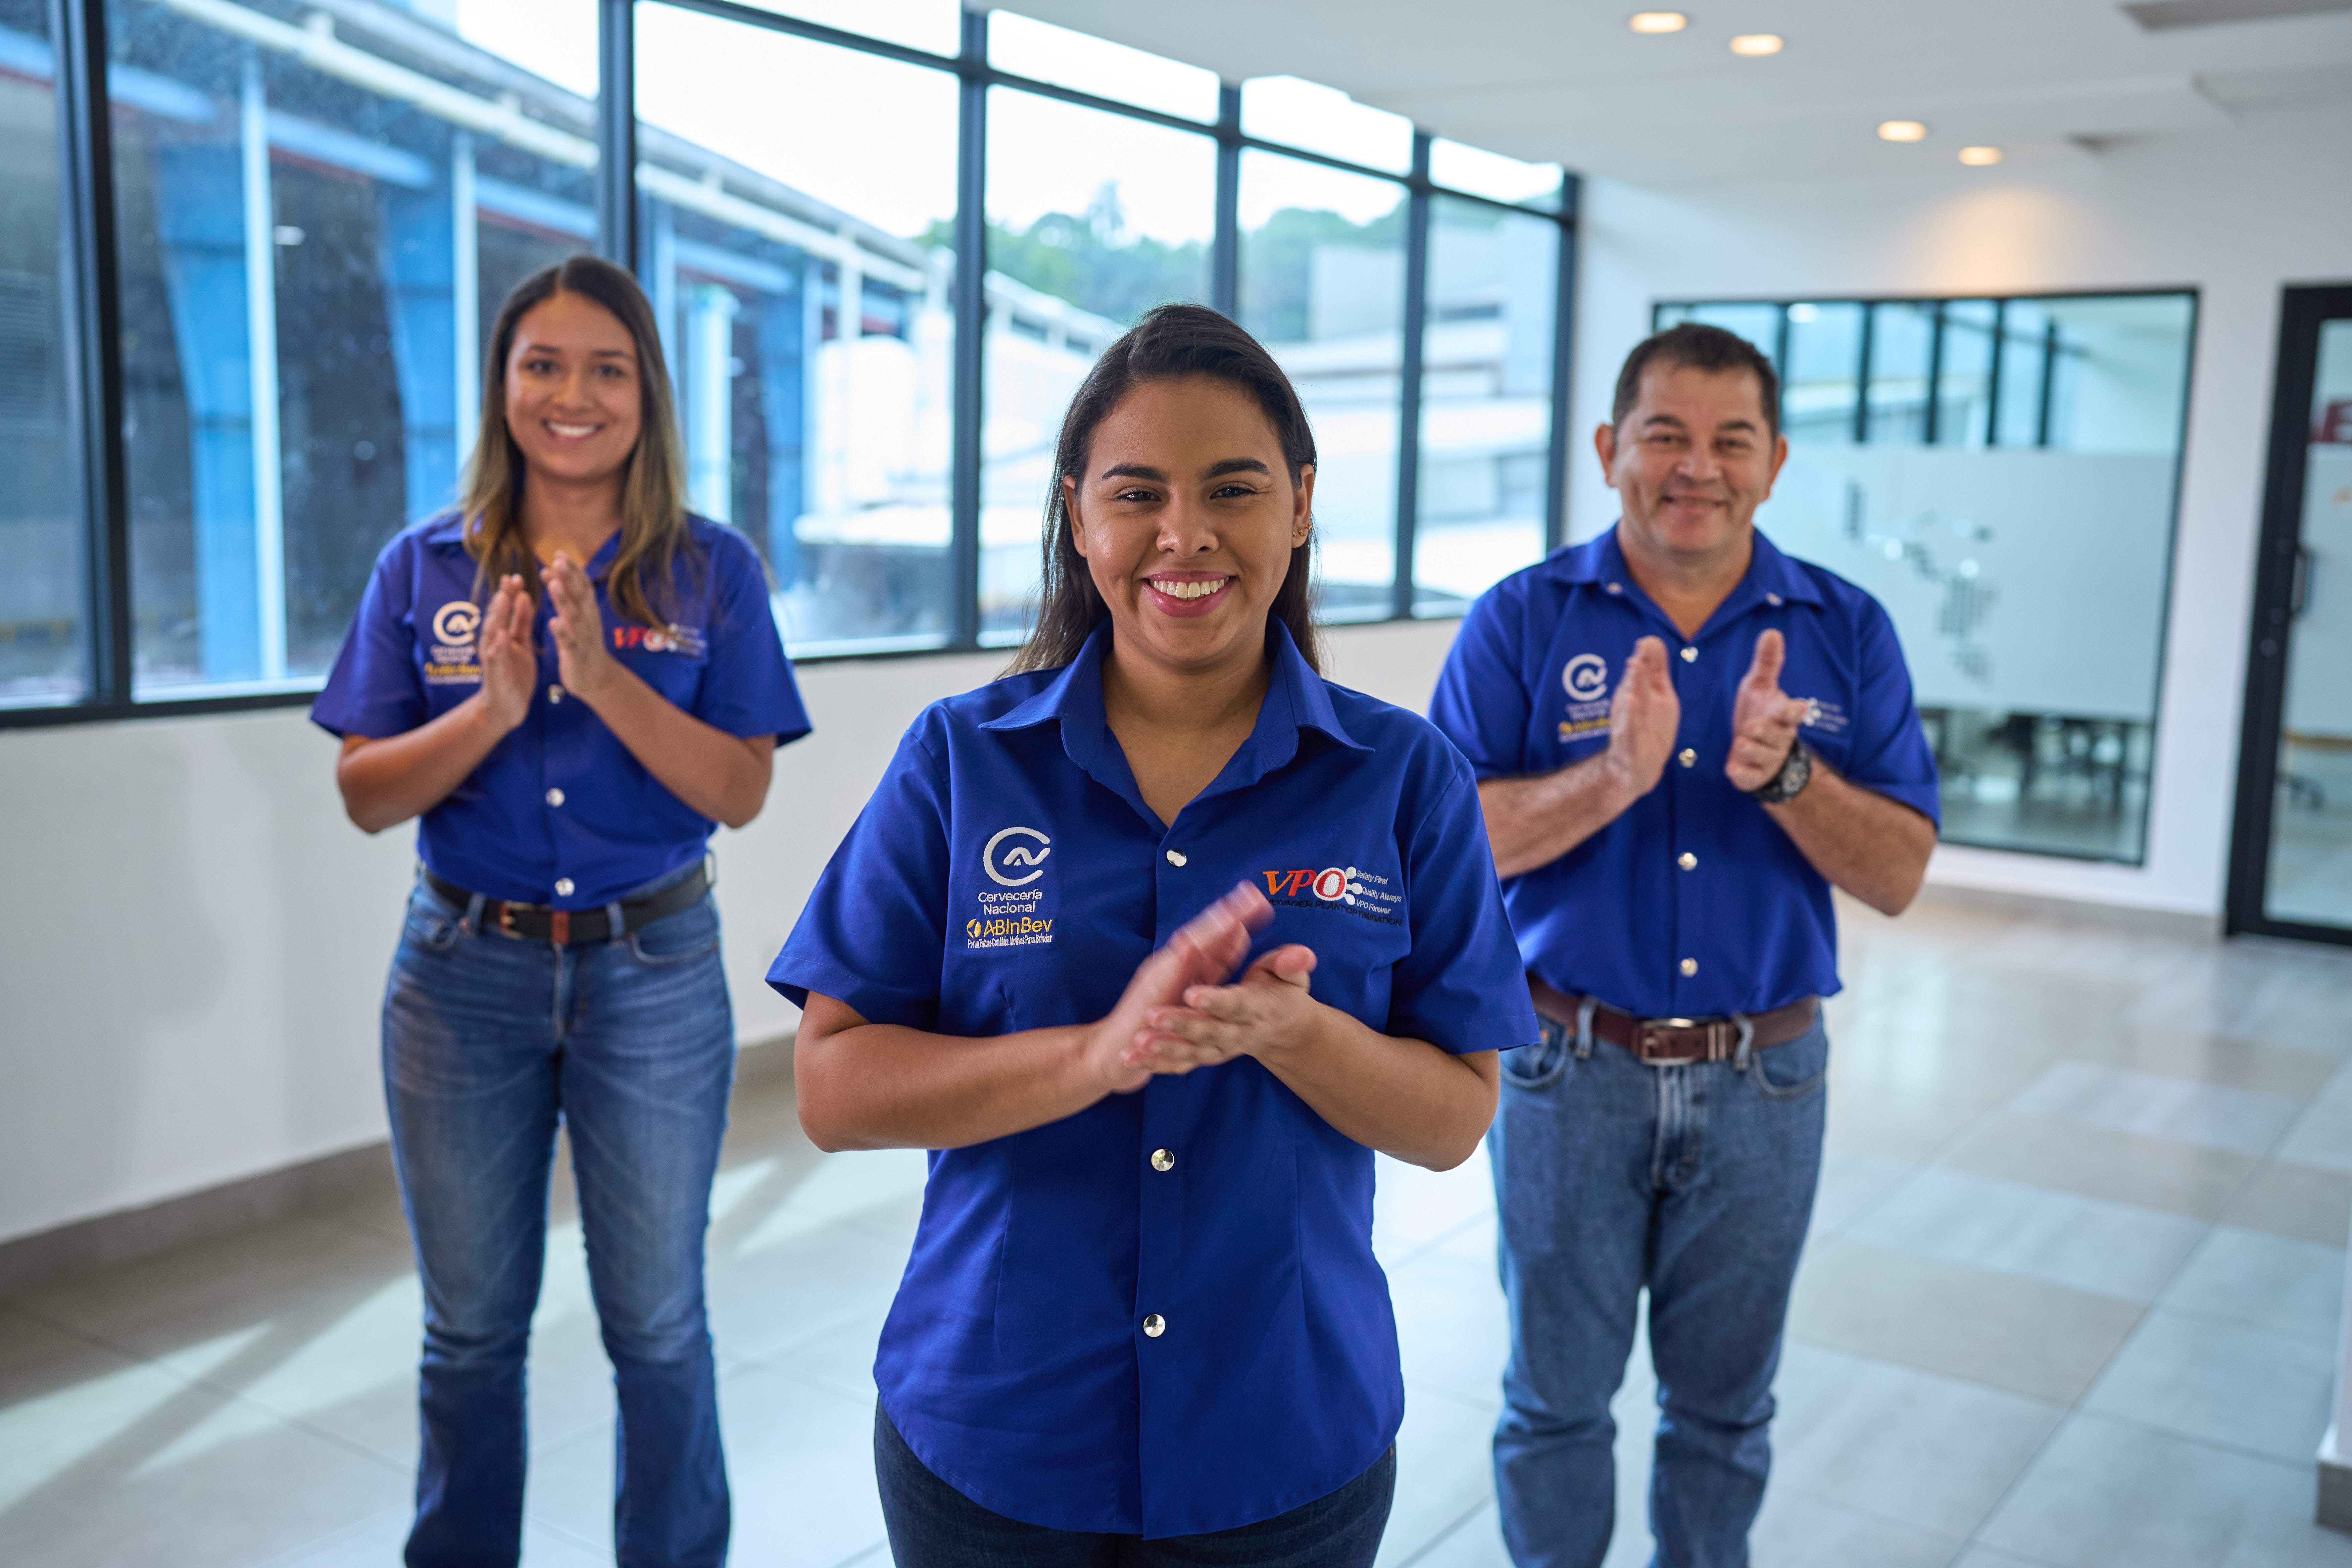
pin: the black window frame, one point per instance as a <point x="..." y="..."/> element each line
<point x="1871" y="305"/>
<point x="90" y="298"/>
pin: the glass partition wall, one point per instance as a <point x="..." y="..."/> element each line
<point x="884" y="239"/>
<point x="2002" y="476"/>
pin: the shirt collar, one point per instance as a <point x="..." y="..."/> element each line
<point x="1295" y="699"/>
<point x="1771" y="575"/>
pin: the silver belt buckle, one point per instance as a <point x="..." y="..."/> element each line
<point x="1640" y="1023"/>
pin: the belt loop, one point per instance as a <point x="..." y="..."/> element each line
<point x="1584" y="1011"/>
<point x="1745" y="1052"/>
<point x="470" y="922"/>
<point x="616" y="925"/>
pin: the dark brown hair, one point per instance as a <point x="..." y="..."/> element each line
<point x="1171" y="342"/>
<point x="1693" y="345"/>
<point x="653" y="489"/>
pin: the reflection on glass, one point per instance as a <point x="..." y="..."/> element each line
<point x="1321" y="119"/>
<point x="312" y="242"/>
<point x="1485" y="400"/>
<point x="933" y="24"/>
<point x="1043" y="52"/>
<point x="41" y="652"/>
<point x="796" y="253"/>
<point x="1322" y="287"/>
<point x="2310" y="878"/>
<point x="2008" y="494"/>
<point x="1478" y="172"/>
<point x="1093" y="218"/>
<point x="1902" y="343"/>
<point x="1817" y="378"/>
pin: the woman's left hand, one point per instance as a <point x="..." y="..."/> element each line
<point x="584" y="665"/>
<point x="1269" y="1010"/>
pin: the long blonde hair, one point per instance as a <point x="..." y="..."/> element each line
<point x="653" y="489"/>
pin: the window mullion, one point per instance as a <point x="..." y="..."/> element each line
<point x="1563" y="331"/>
<point x="970" y="290"/>
<point x="1225" y="248"/>
<point x="92" y="309"/>
<point x="1416" y="316"/>
<point x="617" y="132"/>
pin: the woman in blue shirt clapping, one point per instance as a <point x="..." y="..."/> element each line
<point x="1154" y="941"/>
<point x="569" y="682"/>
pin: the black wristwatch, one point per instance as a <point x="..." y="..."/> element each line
<point x="1796" y="772"/>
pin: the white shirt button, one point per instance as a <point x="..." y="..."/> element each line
<point x="1688" y="758"/>
<point x="555" y="694"/>
<point x="1690" y="656"/>
<point x="1161" y="1160"/>
<point x="1686" y="860"/>
<point x="563" y="887"/>
<point x="1690" y="967"/>
<point x="555" y="797"/>
<point x="1772" y="598"/>
<point x="1176" y="857"/>
<point x="1616" y="588"/>
<point x="1154" y="1326"/>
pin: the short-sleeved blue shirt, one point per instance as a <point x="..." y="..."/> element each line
<point x="560" y="812"/>
<point x="1621" y="917"/>
<point x="1006" y="875"/>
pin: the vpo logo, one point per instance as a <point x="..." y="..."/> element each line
<point x="1585" y="677"/>
<point x="1019" y="854"/>
<point x="455" y="621"/>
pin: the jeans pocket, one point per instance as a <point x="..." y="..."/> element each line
<point x="430" y="925"/>
<point x="1794" y="1069"/>
<point x="690" y="935"/>
<point x="1539" y="1066"/>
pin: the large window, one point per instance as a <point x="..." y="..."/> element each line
<point x="885" y="240"/>
<point x="2001" y="475"/>
<point x="43" y="656"/>
<point x="797" y="248"/>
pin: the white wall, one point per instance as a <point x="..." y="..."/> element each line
<point x="2237" y="213"/>
<point x="194" y="942"/>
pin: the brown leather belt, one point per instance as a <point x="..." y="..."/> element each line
<point x="567" y="928"/>
<point x="1667" y="1042"/>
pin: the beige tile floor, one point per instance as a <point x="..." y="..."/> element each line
<point x="2070" y="1300"/>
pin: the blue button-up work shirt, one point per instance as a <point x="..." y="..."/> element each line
<point x="561" y="813"/>
<point x="1746" y="924"/>
<point x="1007" y="875"/>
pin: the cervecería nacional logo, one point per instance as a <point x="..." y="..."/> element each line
<point x="1013" y="912"/>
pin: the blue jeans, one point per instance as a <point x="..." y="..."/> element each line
<point x="488" y="1041"/>
<point x="1696" y="1181"/>
<point x="932" y="1525"/>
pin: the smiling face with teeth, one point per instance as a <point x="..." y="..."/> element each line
<point x="573" y="400"/>
<point x="1187" y="517"/>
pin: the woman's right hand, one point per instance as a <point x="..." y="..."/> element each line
<point x="1205" y="951"/>
<point x="502" y="648"/>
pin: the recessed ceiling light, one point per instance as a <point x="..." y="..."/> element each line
<point x="1902" y="130"/>
<point x="1979" y="157"/>
<point x="1756" y="44"/>
<point x="1657" y="21"/>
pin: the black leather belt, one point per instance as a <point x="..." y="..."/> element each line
<point x="1670" y="1042"/>
<point x="537" y="923"/>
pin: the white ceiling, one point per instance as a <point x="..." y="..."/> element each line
<point x="1569" y="82"/>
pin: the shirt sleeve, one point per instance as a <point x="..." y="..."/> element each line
<point x="874" y="932"/>
<point x="1481" y="702"/>
<point x="375" y="689"/>
<point x="747" y="687"/>
<point x="1890" y="753"/>
<point x="1462" y="987"/>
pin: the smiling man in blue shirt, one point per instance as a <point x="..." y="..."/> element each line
<point x="1684" y="740"/>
